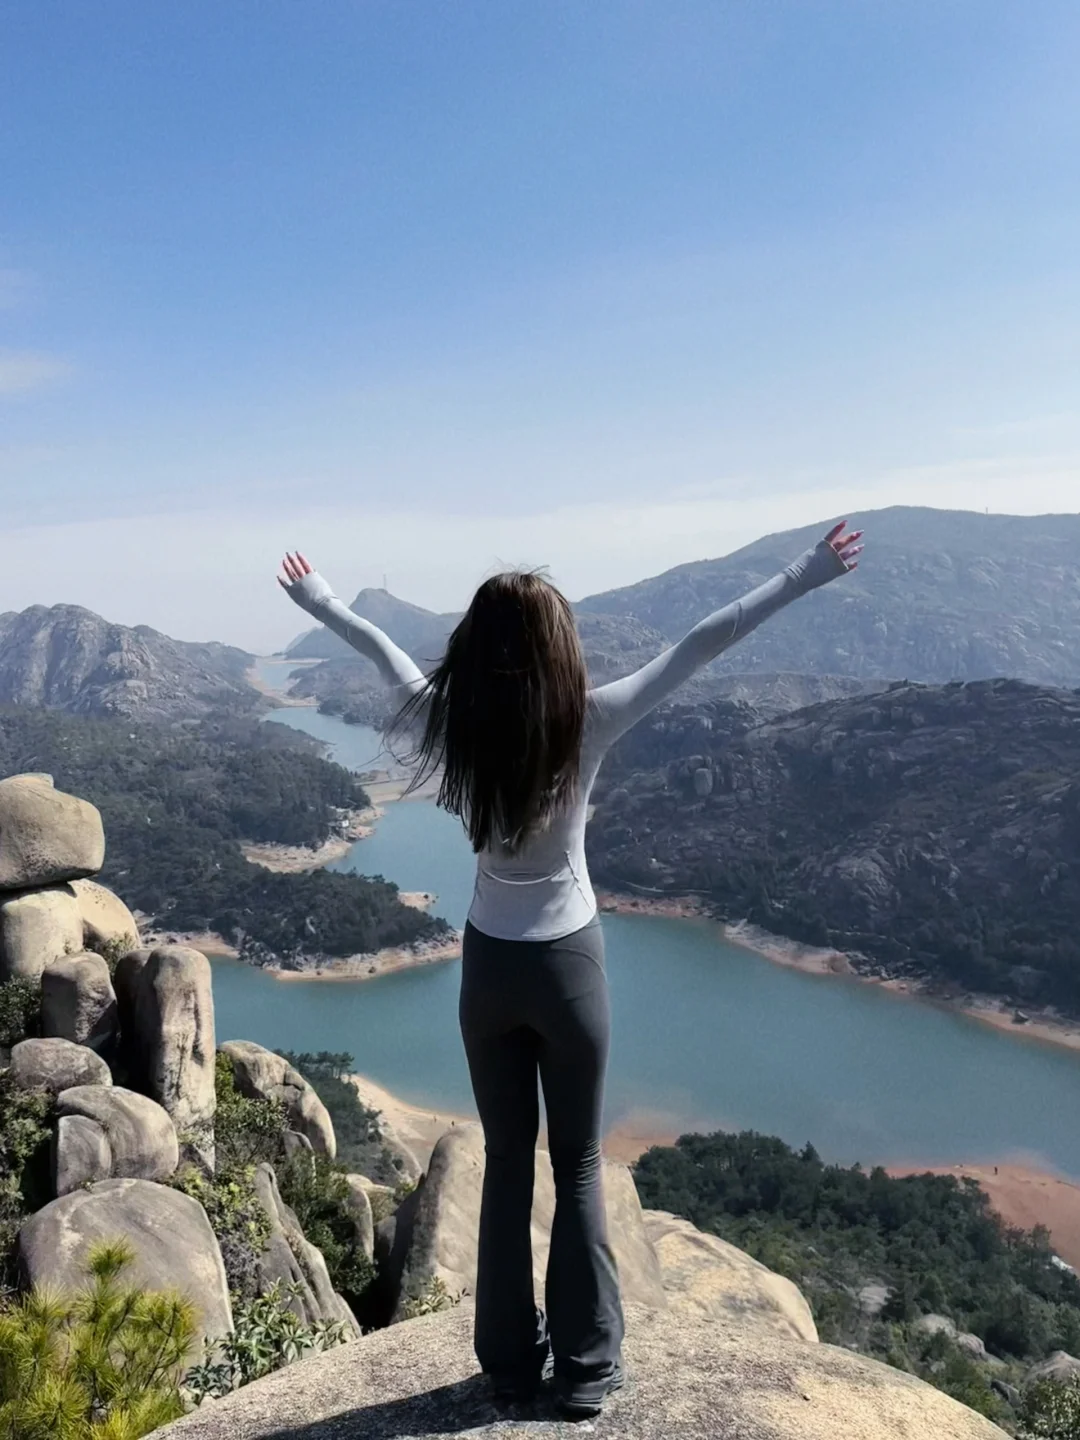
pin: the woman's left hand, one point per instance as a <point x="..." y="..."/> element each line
<point x="303" y="584"/>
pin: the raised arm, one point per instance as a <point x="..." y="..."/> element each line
<point x="620" y="704"/>
<point x="312" y="593"/>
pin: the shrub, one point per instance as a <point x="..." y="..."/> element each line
<point x="267" y="1336"/>
<point x="25" y="1134"/>
<point x="236" y="1217"/>
<point x="102" y="1364"/>
<point x="112" y="951"/>
<point x="1050" y="1410"/>
<point x="317" y="1192"/>
<point x="20" y="1009"/>
<point x="360" y="1147"/>
<point x="433" y="1299"/>
<point x="246" y="1130"/>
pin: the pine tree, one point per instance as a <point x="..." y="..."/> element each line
<point x="104" y="1363"/>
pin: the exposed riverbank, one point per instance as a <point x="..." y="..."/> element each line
<point x="352" y="825"/>
<point x="1037" y="1024"/>
<point x="421" y="1126"/>
<point x="206" y="941"/>
<point x="374" y="966"/>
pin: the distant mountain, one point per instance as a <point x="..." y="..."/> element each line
<point x="942" y="595"/>
<point x="420" y="632"/>
<point x="68" y="658"/>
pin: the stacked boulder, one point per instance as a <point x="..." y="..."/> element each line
<point x="50" y="843"/>
<point x="127" y="1052"/>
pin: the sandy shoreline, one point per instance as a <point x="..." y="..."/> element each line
<point x="281" y="698"/>
<point x="381" y="962"/>
<point x="206" y="941"/>
<point x="298" y="859"/>
<point x="420" y="1126"/>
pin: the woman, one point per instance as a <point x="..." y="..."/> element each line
<point x="509" y="719"/>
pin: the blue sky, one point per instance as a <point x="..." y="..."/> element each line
<point x="426" y="287"/>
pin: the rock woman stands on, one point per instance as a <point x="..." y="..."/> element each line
<point x="510" y="722"/>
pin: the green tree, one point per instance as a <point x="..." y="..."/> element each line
<point x="104" y="1363"/>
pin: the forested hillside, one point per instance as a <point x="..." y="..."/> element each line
<point x="933" y="830"/>
<point x="176" y="802"/>
<point x="873" y="1254"/>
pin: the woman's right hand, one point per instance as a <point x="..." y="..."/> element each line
<point x="845" y="546"/>
<point x="834" y="555"/>
<point x="303" y="585"/>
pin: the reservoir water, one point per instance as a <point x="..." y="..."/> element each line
<point x="707" y="1035"/>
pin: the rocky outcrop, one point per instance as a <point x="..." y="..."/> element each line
<point x="36" y="928"/>
<point x="174" y="1246"/>
<point x="81" y="1153"/>
<point x="263" y="1075"/>
<point x="685" y="1378"/>
<point x="45" y="835"/>
<point x="78" y="1002"/>
<point x="434" y="1235"/>
<point x="964" y="1340"/>
<point x="1059" y="1366"/>
<point x="359" y="1204"/>
<point x="68" y="658"/>
<point x="402" y="1155"/>
<point x="291" y="1259"/>
<point x="56" y="1065"/>
<point x="706" y="1278"/>
<point x="169" y="1007"/>
<point x="141" y="1136"/>
<point x="108" y="924"/>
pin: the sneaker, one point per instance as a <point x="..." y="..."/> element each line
<point x="580" y="1399"/>
<point x="520" y="1389"/>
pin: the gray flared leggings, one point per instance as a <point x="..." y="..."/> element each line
<point x="539" y="1010"/>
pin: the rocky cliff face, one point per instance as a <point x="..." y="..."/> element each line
<point x="68" y="658"/>
<point x="934" y="829"/>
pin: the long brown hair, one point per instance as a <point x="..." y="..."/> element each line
<point x="505" y="711"/>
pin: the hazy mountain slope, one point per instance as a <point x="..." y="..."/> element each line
<point x="420" y="632"/>
<point x="68" y="658"/>
<point x="933" y="828"/>
<point x="941" y="595"/>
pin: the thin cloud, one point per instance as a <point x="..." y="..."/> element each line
<point x="21" y="371"/>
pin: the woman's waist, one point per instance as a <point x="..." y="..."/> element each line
<point x="534" y="867"/>
<point x="521" y="902"/>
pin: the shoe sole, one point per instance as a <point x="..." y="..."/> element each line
<point x="586" y="1410"/>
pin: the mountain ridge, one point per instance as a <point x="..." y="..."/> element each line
<point x="942" y="595"/>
